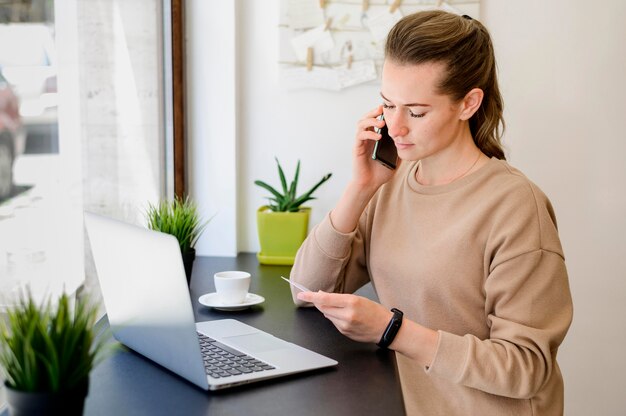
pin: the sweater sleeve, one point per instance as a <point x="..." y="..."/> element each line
<point x="528" y="308"/>
<point x="331" y="261"/>
<point x="530" y="316"/>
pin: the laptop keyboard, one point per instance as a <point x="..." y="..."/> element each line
<point x="223" y="361"/>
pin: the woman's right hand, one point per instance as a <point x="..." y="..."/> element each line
<point x="366" y="172"/>
<point x="367" y="175"/>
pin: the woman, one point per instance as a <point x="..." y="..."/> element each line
<point x="455" y="238"/>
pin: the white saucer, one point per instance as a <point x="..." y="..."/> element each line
<point x="212" y="301"/>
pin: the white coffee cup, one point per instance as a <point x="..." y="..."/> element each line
<point x="231" y="286"/>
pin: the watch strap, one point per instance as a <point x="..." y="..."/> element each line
<point x="392" y="329"/>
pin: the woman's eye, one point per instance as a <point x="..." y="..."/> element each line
<point x="420" y="115"/>
<point x="386" y="106"/>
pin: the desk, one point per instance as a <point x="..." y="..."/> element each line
<point x="364" y="383"/>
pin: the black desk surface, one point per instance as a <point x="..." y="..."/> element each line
<point x="364" y="383"/>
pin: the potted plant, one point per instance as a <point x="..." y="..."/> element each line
<point x="179" y="218"/>
<point x="46" y="354"/>
<point x="283" y="223"/>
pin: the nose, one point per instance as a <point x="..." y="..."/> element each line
<point x="396" y="124"/>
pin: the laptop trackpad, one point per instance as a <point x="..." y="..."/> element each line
<point x="254" y="343"/>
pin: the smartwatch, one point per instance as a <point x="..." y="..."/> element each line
<point x="392" y="329"/>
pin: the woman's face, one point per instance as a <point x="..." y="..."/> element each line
<point x="421" y="122"/>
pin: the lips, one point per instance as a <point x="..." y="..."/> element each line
<point x="402" y="146"/>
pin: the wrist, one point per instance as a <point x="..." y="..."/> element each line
<point x="363" y="190"/>
<point x="416" y="342"/>
<point x="345" y="216"/>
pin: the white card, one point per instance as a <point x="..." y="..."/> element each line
<point x="359" y="73"/>
<point x="304" y="14"/>
<point x="296" y="285"/>
<point x="318" y="39"/>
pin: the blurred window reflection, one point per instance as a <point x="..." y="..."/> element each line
<point x="94" y="143"/>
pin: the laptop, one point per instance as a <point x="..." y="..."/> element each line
<point x="145" y="292"/>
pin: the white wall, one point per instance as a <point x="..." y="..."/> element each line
<point x="212" y="128"/>
<point x="562" y="66"/>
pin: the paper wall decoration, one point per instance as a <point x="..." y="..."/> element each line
<point x="336" y="44"/>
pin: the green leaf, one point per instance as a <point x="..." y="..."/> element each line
<point x="49" y="349"/>
<point x="307" y="196"/>
<point x="179" y="218"/>
<point x="295" y="205"/>
<point x="283" y="181"/>
<point x="277" y="194"/>
<point x="287" y="201"/>
<point x="294" y="183"/>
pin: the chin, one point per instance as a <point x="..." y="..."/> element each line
<point x="409" y="156"/>
<point x="416" y="154"/>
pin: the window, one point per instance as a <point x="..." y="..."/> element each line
<point x="87" y="78"/>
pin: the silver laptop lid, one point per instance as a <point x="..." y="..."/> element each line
<point x="145" y="293"/>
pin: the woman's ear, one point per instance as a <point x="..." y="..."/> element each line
<point x="471" y="103"/>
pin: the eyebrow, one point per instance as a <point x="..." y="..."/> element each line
<point x="406" y="105"/>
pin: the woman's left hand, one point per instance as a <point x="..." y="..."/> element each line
<point x="354" y="316"/>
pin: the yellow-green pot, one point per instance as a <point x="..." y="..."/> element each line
<point x="281" y="234"/>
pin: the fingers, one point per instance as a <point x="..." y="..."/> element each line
<point x="320" y="298"/>
<point x="370" y="121"/>
<point x="337" y="307"/>
<point x="306" y="296"/>
<point x="354" y="316"/>
<point x="368" y="135"/>
<point x="312" y="297"/>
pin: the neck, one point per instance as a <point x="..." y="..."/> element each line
<point x="454" y="164"/>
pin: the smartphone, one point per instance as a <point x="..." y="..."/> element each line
<point x="385" y="150"/>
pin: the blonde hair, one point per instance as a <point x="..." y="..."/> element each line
<point x="464" y="46"/>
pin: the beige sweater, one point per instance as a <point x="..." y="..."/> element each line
<point x="480" y="261"/>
